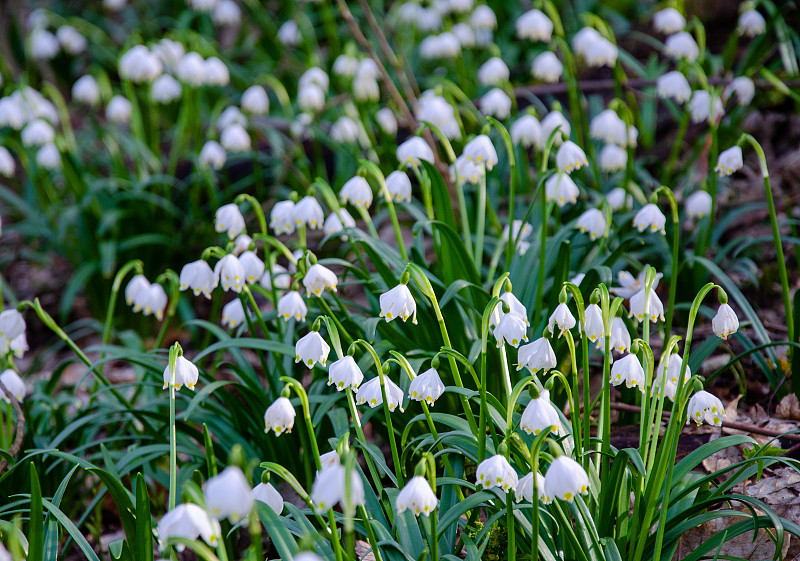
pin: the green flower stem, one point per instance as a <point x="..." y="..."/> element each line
<point x="575" y="406"/>
<point x="261" y="358"/>
<point x="376" y="480"/>
<point x="378" y="175"/>
<point x="425" y="286"/>
<point x="174" y="294"/>
<point x="604" y="427"/>
<point x="301" y="237"/>
<point x="277" y="244"/>
<point x="301" y="393"/>
<point x="536" y="449"/>
<point x="425" y="187"/>
<point x="673" y="276"/>
<point x="646" y="417"/>
<point x="174" y="352"/>
<point x="484" y="410"/>
<point x="262" y="220"/>
<point x="776" y="237"/>
<point x="656" y="406"/>
<point x="587" y="406"/>
<point x="373" y="541"/>
<point x="510" y="526"/>
<point x="575" y="108"/>
<point x="135" y="265"/>
<point x="676" y="148"/>
<point x="434" y="535"/>
<point x="512" y="162"/>
<point x="480" y="228"/>
<point x="137" y="126"/>
<point x="707" y="236"/>
<point x="367" y="220"/>
<point x="327" y="311"/>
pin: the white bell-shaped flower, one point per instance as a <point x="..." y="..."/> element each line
<point x="255" y="100"/>
<point x="630" y="285"/>
<point x="515" y="307"/>
<point x="673" y="366"/>
<point x="413" y="151"/>
<point x="525" y="487"/>
<point x="496" y="472"/>
<point x="650" y="218"/>
<point x="72" y="41"/>
<point x="468" y="171"/>
<point x="534" y="25"/>
<point x="308" y="211"/>
<point x="417" y="496"/>
<point x="565" y="478"/>
<point x="268" y="495"/>
<point x="592" y="222"/>
<point x="136" y="285"/>
<point x="729" y="161"/>
<point x="292" y="305"/>
<point x="705" y="107"/>
<point x="725" y="323"/>
<point x="278" y="277"/>
<point x="186" y="374"/>
<point x="345" y="66"/>
<point x="43" y="45"/>
<point x="481" y="151"/>
<point x="216" y="73"/>
<point x="672" y="388"/>
<point x="398" y="303"/>
<point x="619" y="199"/>
<point x="187" y="521"/>
<point x="279" y="416"/>
<point x="536" y="356"/>
<point x="370" y="393"/>
<point x="253" y="266"/>
<point x="612" y="158"/>
<point x="18" y="345"/>
<point x="399" y="186"/>
<point x="704" y="406"/>
<point x="165" y="89"/>
<point x="495" y="103"/>
<point x="86" y="90"/>
<point x="118" y="110"/>
<point x="311" y="98"/>
<point x="329" y="459"/>
<point x="427" y="387"/>
<point x="228" y="495"/>
<point x="153" y="300"/>
<point x="235" y="138"/>
<point x="212" y="155"/>
<point x="357" y="192"/>
<point x="540" y="415"/>
<point x="493" y="72"/>
<point x="547" y="68"/>
<point x="345" y="130"/>
<point x="233" y="314"/>
<point x="48" y="157"/>
<point x="698" y="204"/>
<point x="595" y="329"/>
<point x="620" y="340"/>
<point x="743" y="88"/>
<point x="561" y="317"/>
<point x="668" y="20"/>
<point x="637" y="307"/>
<point x="333" y="224"/>
<point x="751" y="23"/>
<point x="7" y="165"/>
<point x="554" y="121"/>
<point x="682" y="45"/>
<point x="329" y="489"/>
<point x="229" y="273"/>
<point x="365" y="88"/>
<point x="609" y="127"/>
<point x="675" y="86"/>
<point x="436" y="110"/>
<point x="231" y="116"/>
<point x="311" y="349"/>
<point x="14" y="384"/>
<point x="628" y="369"/>
<point x="198" y="277"/>
<point x="510" y="329"/>
<point x="584" y="40"/>
<point x="345" y="372"/>
<point x="318" y="278"/>
<point x="560" y="188"/>
<point x="229" y="218"/>
<point x="386" y="121"/>
<point x="227" y="13"/>
<point x="38" y="133"/>
<point x="281" y="218"/>
<point x="527" y="131"/>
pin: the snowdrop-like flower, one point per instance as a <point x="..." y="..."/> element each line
<point x="650" y="218"/>
<point x="229" y="272"/>
<point x="520" y="231"/>
<point x="631" y="285"/>
<point x="165" y="89"/>
<point x="565" y="478"/>
<point x="436" y="110"/>
<point x="534" y="25"/>
<point x="71" y="39"/>
<point x="279" y="416"/>
<point x="668" y="20"/>
<point x="527" y="131"/>
<point x="365" y="87"/>
<point x="235" y="139"/>
<point x="496" y="472"/>
<point x="554" y="121"/>
<point x="602" y="53"/>
<point x="398" y="303"/>
<point x="253" y="266"/>
<point x="628" y="369"/>
<point x="18" y="345"/>
<point x="311" y="349"/>
<point x="7" y="165"/>
<point x="561" y="317"/>
<point x="212" y="155"/>
<point x="492" y="72"/>
<point x="345" y="130"/>
<point x="292" y="305"/>
<point x="289" y="34"/>
<point x="370" y="393"/>
<point x="510" y="329"/>
<point x="729" y="161"/>
<point x="14" y="384"/>
<point x="618" y="199"/>
<point x="277" y="276"/>
<point x="48" y="157"/>
<point x="345" y="66"/>
<point x="255" y="100"/>
<point x="540" y="415"/>
<point x="413" y="151"/>
<point x="231" y="116"/>
<point x="187" y="521"/>
<point x="525" y="488"/>
<point x="515" y="307"/>
<point x="481" y="151"/>
<point x="399" y="186"/>
<point x="229" y="218"/>
<point x="317" y="76"/>
<point x="38" y="133"/>
<point x="191" y="69"/>
<point x="386" y="121"/>
<point x="704" y="406"/>
<point x="468" y="170"/>
<point x="439" y="46"/>
<point x="186" y="374"/>
<point x="333" y="224"/>
<point x="725" y="322"/>
<point x="329" y="459"/>
<point x="427" y="387"/>
<point x="357" y="192"/>
<point x="495" y="103"/>
<point x="751" y="23"/>
<point x="118" y="110"/>
<point x="227" y="12"/>
<point x="86" y="90"/>
<point x="345" y="372"/>
<point x="12" y="332"/>
<point x="318" y="278"/>
<point x="682" y="45"/>
<point x="743" y="88"/>
<point x="199" y="277"/>
<point x="570" y="157"/>
<point x="417" y="496"/>
<point x="637" y="310"/>
<point x="140" y="65"/>
<point x="43" y="44"/>
<point x="537" y="356"/>
<point x="136" y="285"/>
<point x="270" y="496"/>
<point x="612" y="158"/>
<point x="561" y="189"/>
<point x="464" y="33"/>
<point x="241" y="244"/>
<point x="585" y="40"/>
<point x="307" y="211"/>
<point x="169" y="52"/>
<point x="233" y="314"/>
<point x="228" y="495"/>
<point x="593" y="317"/>
<point x="674" y="85"/>
<point x="328" y="490"/>
<point x="310" y="97"/>
<point x="151" y="301"/>
<point x="609" y="127"/>
<point x="698" y="204"/>
<point x="620" y="340"/>
<point x="281" y="217"/>
<point x="547" y="68"/>
<point x="705" y="107"/>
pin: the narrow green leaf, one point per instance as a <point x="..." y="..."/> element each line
<point x="144" y="523"/>
<point x="36" y="530"/>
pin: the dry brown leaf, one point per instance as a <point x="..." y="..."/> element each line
<point x="789" y="408"/>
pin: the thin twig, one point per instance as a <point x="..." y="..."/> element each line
<point x="20" y="427"/>
<point x="594" y="86"/>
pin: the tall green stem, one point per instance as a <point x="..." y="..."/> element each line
<point x="173" y="453"/>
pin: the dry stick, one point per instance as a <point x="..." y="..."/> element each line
<point x="726" y="424"/>
<point x="20" y="427"/>
<point x="594" y="86"/>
